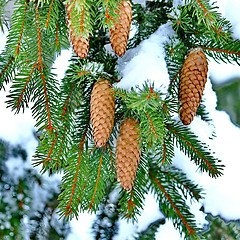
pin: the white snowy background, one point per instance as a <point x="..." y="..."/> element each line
<point x="146" y="62"/>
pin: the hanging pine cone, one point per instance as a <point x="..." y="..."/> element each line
<point x="192" y="82"/>
<point x="120" y="33"/>
<point x="127" y="153"/>
<point x="102" y="109"/>
<point x="80" y="43"/>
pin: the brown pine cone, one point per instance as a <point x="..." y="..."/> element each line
<point x="120" y="33"/>
<point x="102" y="109"/>
<point x="191" y="85"/>
<point x="127" y="153"/>
<point x="80" y="43"/>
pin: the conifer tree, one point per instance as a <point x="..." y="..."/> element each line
<point x="25" y="215"/>
<point x="40" y="29"/>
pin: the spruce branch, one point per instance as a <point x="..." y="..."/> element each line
<point x="131" y="202"/>
<point x="172" y="205"/>
<point x="80" y="12"/>
<point x="62" y="109"/>
<point x="148" y="106"/>
<point x="175" y="55"/>
<point x="74" y="176"/>
<point x="197" y="151"/>
<point x="181" y="181"/>
<point x="108" y="12"/>
<point x="74" y="94"/>
<point x="101" y="177"/>
<point x="166" y="154"/>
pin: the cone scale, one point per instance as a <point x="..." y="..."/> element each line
<point x="120" y="33"/>
<point x="191" y="85"/>
<point x="102" y="110"/>
<point x="127" y="153"/>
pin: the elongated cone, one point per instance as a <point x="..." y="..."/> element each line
<point x="102" y="109"/>
<point x="80" y="43"/>
<point x="120" y="33"/>
<point x="192" y="82"/>
<point x="127" y="153"/>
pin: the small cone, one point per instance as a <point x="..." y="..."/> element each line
<point x="120" y="33"/>
<point x="102" y="109"/>
<point x="127" y="153"/>
<point x="80" y="44"/>
<point x="191" y="85"/>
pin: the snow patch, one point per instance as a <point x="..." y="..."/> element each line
<point x="146" y="62"/>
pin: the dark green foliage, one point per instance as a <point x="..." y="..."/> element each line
<point x="229" y="99"/>
<point x="199" y="24"/>
<point x="220" y="229"/>
<point x="105" y="226"/>
<point x="20" y="206"/>
<point x="151" y="230"/>
<point x="148" y="19"/>
<point x="62" y="109"/>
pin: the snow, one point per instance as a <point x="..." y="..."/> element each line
<point x="81" y="228"/>
<point x="220" y="73"/>
<point x="150" y="214"/>
<point x="63" y="61"/>
<point x="146" y="62"/>
<point x="167" y="232"/>
<point x="16" y="167"/>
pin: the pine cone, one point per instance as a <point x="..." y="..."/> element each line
<point x="80" y="43"/>
<point x="192" y="82"/>
<point x="119" y="35"/>
<point x="102" y="109"/>
<point x="127" y="153"/>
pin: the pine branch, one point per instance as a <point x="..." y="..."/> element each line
<point x="151" y="230"/>
<point x="131" y="202"/>
<point x="73" y="182"/>
<point x="80" y="12"/>
<point x="193" y="148"/>
<point x="173" y="206"/>
<point x="181" y="181"/>
<point x="148" y="105"/>
<point x="108" y="11"/>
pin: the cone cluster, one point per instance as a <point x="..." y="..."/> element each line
<point x="102" y="110"/>
<point x="192" y="82"/>
<point x="120" y="33"/>
<point x="80" y="43"/>
<point x="127" y="153"/>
